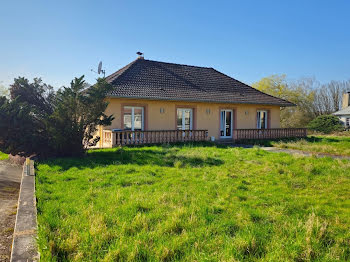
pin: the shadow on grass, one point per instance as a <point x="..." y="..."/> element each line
<point x="161" y="155"/>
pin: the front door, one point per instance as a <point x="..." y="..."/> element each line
<point x="226" y="120"/>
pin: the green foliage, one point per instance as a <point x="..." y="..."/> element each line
<point x="3" y="156"/>
<point x="325" y="124"/>
<point x="274" y="85"/>
<point x="78" y="112"/>
<point x="23" y="119"/>
<point x="193" y="203"/>
<point x="299" y="94"/>
<point x="311" y="98"/>
<point x="38" y="120"/>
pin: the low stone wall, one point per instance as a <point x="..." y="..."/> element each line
<point x="24" y="246"/>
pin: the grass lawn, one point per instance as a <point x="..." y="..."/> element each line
<point x="193" y="203"/>
<point x="337" y="145"/>
<point x="3" y="156"/>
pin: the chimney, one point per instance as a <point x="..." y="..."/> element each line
<point x="346" y="100"/>
<point x="140" y="55"/>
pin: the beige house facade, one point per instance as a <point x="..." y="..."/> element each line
<point x="167" y="115"/>
<point x="157" y="96"/>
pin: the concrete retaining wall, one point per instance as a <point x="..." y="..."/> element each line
<point x="24" y="246"/>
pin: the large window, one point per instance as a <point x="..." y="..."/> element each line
<point x="184" y="118"/>
<point x="347" y="122"/>
<point x="133" y="118"/>
<point x="261" y="119"/>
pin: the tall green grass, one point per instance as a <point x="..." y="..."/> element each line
<point x="337" y="145"/>
<point x="3" y="156"/>
<point x="193" y="203"/>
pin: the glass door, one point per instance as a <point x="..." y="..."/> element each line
<point x="226" y="120"/>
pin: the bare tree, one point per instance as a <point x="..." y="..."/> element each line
<point x="328" y="97"/>
<point x="311" y="97"/>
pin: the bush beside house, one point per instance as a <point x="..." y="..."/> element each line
<point x="38" y="120"/>
<point x="325" y="124"/>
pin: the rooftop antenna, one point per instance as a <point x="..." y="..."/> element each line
<point x="100" y="70"/>
<point x="140" y="54"/>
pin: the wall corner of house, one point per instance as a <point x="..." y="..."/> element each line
<point x="346" y="100"/>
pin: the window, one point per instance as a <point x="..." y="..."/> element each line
<point x="347" y="122"/>
<point x="261" y="119"/>
<point x="184" y="118"/>
<point x="133" y="118"/>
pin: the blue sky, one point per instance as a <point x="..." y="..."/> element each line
<point x="58" y="40"/>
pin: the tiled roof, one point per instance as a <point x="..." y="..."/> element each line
<point x="155" y="80"/>
<point x="344" y="111"/>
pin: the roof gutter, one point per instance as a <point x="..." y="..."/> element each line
<point x="202" y="101"/>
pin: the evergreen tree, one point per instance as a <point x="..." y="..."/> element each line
<point x="23" y="118"/>
<point x="38" y="120"/>
<point x="326" y="124"/>
<point x="83" y="108"/>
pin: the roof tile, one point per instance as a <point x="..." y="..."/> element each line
<point x="148" y="79"/>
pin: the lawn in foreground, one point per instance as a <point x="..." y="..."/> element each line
<point x="193" y="203"/>
<point x="3" y="156"/>
<point x="336" y="145"/>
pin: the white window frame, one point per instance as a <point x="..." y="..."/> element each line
<point x="347" y="122"/>
<point x="258" y="119"/>
<point x="133" y="116"/>
<point x="183" y="118"/>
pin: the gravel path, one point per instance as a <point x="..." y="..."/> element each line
<point x="10" y="179"/>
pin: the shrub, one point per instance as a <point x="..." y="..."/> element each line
<point x="39" y="120"/>
<point x="325" y="124"/>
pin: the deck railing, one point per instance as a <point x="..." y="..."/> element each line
<point x="271" y="133"/>
<point x="107" y="138"/>
<point x="121" y="138"/>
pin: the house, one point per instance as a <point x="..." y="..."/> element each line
<point x="151" y="95"/>
<point x="344" y="113"/>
